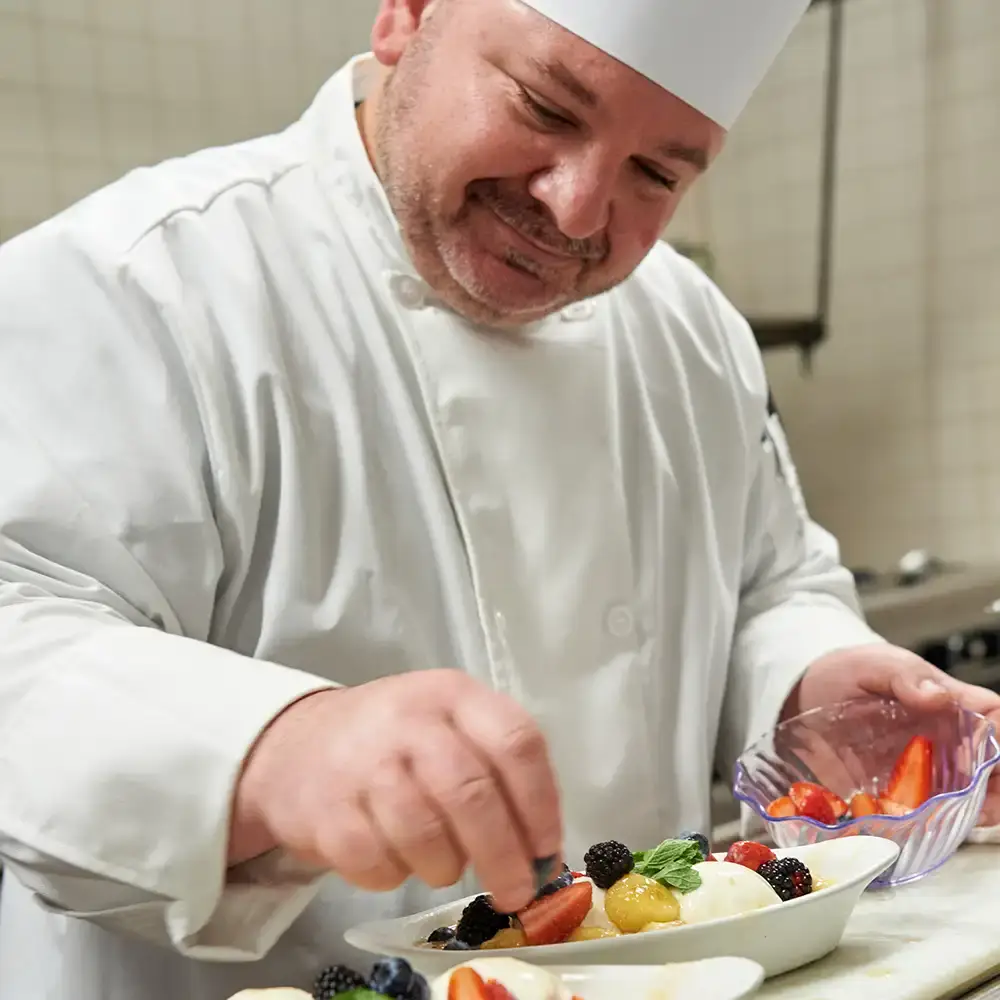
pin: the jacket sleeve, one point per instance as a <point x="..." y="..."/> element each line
<point x="798" y="602"/>
<point x="122" y="730"/>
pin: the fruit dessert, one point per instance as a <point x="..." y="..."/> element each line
<point x="277" y="993"/>
<point x="910" y="785"/>
<point x="624" y="892"/>
<point x="482" y="979"/>
<point x="499" y="979"/>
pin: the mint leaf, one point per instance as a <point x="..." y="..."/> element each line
<point x="670" y="852"/>
<point x="683" y="878"/>
<point x="360" y="994"/>
<point x="671" y="864"/>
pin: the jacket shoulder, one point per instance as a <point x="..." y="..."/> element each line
<point x="107" y="225"/>
<point x="700" y="318"/>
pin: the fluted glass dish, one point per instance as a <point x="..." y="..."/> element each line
<point x="853" y="747"/>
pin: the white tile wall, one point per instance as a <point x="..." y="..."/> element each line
<point x="91" y="88"/>
<point x="896" y="433"/>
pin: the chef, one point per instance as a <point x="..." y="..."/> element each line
<point x="383" y="508"/>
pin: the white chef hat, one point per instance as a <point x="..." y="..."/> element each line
<point x="711" y="54"/>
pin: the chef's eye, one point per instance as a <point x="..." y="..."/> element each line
<point x="656" y="176"/>
<point x="543" y="114"/>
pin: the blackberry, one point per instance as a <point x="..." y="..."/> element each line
<point x="561" y="881"/>
<point x="441" y="936"/>
<point x="700" y="839"/>
<point x="788" y="877"/>
<point x="335" y="980"/>
<point x="607" y="863"/>
<point x="480" y="922"/>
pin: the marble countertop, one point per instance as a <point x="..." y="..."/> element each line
<point x="934" y="940"/>
<point x="989" y="991"/>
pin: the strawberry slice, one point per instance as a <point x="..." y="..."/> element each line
<point x="497" y="991"/>
<point x="781" y="808"/>
<point x="811" y="801"/>
<point x="804" y="788"/>
<point x="863" y="804"/>
<point x="886" y="807"/>
<point x="552" y="919"/>
<point x="837" y="804"/>
<point x="910" y="783"/>
<point x="467" y="984"/>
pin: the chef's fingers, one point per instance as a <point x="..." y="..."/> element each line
<point x="511" y="741"/>
<point x="349" y="842"/>
<point x="413" y="825"/>
<point x="832" y="767"/>
<point x="919" y="690"/>
<point x="468" y="793"/>
<point x="974" y="698"/>
<point x="990" y="815"/>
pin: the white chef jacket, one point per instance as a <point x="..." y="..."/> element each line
<point x="246" y="454"/>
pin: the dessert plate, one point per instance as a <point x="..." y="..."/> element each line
<point x="779" y="937"/>
<point x="712" y="979"/>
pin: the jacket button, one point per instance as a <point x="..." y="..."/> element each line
<point x="620" y="621"/>
<point x="578" y="311"/>
<point x="409" y="292"/>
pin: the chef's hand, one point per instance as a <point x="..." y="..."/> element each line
<point x="421" y="774"/>
<point x="891" y="672"/>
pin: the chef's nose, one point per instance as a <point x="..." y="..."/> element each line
<point x="579" y="192"/>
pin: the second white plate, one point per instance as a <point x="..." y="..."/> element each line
<point x="712" y="979"/>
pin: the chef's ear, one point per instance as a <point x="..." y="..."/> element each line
<point x="396" y="22"/>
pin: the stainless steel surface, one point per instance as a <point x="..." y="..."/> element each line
<point x="951" y="601"/>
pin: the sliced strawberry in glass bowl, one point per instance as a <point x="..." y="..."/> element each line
<point x="873" y="767"/>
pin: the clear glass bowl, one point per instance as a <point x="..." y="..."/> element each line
<point x="852" y="747"/>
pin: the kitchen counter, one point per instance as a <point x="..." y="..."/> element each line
<point x="937" y="939"/>
<point x="989" y="991"/>
<point x="952" y="601"/>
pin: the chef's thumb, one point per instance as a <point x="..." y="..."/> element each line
<point x="918" y="691"/>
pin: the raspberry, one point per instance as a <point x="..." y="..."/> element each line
<point x="750" y="854"/>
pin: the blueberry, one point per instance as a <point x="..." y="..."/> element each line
<point x="441" y="936"/>
<point x="392" y="977"/>
<point x="457" y="945"/>
<point x="419" y="989"/>
<point x="559" y="882"/>
<point x="700" y="839"/>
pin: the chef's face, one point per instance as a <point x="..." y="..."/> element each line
<point x="526" y="168"/>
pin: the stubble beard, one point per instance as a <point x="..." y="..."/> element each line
<point x="423" y="224"/>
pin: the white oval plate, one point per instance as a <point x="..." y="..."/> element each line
<point x="711" y="979"/>
<point x="779" y="938"/>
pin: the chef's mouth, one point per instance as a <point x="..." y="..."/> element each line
<point x="523" y="264"/>
<point x="559" y="252"/>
